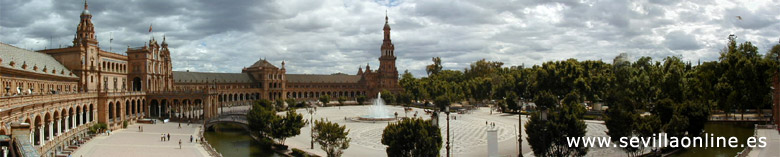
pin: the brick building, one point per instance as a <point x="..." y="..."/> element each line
<point x="50" y="98"/>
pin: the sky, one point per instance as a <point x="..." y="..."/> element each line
<point x="331" y="36"/>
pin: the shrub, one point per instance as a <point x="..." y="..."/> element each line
<point x="299" y="153"/>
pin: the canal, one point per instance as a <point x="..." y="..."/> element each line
<point x="234" y="141"/>
<point x="741" y="130"/>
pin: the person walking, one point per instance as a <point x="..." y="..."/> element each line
<point x="162" y="137"/>
<point x="169" y="136"/>
<point x="179" y="143"/>
<point x="179" y="125"/>
<point x="191" y="138"/>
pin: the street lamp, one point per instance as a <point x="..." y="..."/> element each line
<point x="520" y="129"/>
<point x="311" y="124"/>
<point x="447" y="112"/>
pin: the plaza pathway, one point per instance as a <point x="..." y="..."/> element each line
<point x="772" y="144"/>
<point x="130" y="142"/>
<point x="468" y="132"/>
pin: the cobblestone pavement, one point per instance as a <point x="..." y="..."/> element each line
<point x="130" y="142"/>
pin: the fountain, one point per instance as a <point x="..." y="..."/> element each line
<point x="378" y="112"/>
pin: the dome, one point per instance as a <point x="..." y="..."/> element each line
<point x="85" y="12"/>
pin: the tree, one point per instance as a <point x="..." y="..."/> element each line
<point x="291" y="102"/>
<point x="548" y="137"/>
<point x="341" y="100"/>
<point x="511" y="102"/>
<point x="325" y="99"/>
<point x="388" y="97"/>
<point x="288" y="126"/>
<point x="434" y="68"/>
<point x="361" y="99"/>
<point x="412" y="137"/>
<point x="279" y="104"/>
<point x="405" y="98"/>
<point x="331" y="137"/>
<point x="260" y="118"/>
<point x="441" y="102"/>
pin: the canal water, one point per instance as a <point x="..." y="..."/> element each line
<point x="741" y="130"/>
<point x="234" y="141"/>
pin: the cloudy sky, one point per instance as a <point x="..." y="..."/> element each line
<point x="329" y="36"/>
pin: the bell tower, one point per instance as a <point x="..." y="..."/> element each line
<point x="388" y="74"/>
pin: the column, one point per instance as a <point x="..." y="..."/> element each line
<point x="51" y="130"/>
<point x="159" y="110"/>
<point x="41" y="135"/>
<point x="67" y="125"/>
<point x="73" y="121"/>
<point x="59" y="126"/>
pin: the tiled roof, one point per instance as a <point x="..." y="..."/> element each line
<point x="32" y="59"/>
<point x="335" y="78"/>
<point x="203" y="77"/>
<point x="262" y="63"/>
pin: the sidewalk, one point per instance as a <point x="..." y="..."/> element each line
<point x="772" y="143"/>
<point x="131" y="142"/>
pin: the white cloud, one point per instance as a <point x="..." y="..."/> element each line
<point x="339" y="36"/>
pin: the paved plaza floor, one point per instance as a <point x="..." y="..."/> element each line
<point x="468" y="133"/>
<point x="131" y="143"/>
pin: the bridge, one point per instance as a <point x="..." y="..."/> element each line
<point x="237" y="117"/>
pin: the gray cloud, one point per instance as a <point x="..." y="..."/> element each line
<point x="679" y="40"/>
<point x="340" y="36"/>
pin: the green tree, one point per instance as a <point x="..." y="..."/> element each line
<point x="331" y="137"/>
<point x="548" y="137"/>
<point x="288" y="126"/>
<point x="434" y="68"/>
<point x="341" y="100"/>
<point x="441" y="102"/>
<point x="260" y="118"/>
<point x="279" y="104"/>
<point x="291" y="102"/>
<point x="388" y="97"/>
<point x="511" y="102"/>
<point x="325" y="99"/>
<point x="361" y="99"/>
<point x="405" y="98"/>
<point x="412" y="137"/>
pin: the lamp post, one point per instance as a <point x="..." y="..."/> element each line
<point x="311" y="125"/>
<point x="520" y="128"/>
<point x="447" y="112"/>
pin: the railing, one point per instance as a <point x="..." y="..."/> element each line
<point x="64" y="137"/>
<point x="119" y="94"/>
<point x="22" y="100"/>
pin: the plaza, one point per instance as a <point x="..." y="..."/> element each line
<point x="132" y="142"/>
<point x="468" y="132"/>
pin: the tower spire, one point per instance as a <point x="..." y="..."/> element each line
<point x="85" y="5"/>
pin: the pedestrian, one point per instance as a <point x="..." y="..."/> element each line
<point x="191" y="138"/>
<point x="139" y="128"/>
<point x="162" y="137"/>
<point x="179" y="125"/>
<point x="169" y="136"/>
<point x="179" y="143"/>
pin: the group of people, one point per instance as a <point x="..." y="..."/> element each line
<point x="165" y="137"/>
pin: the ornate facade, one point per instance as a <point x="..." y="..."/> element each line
<point x="49" y="98"/>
